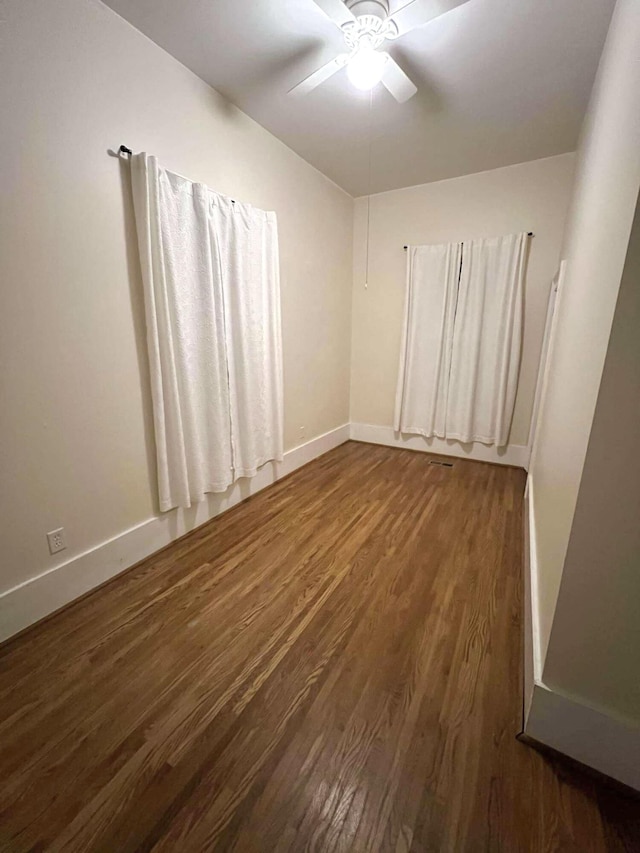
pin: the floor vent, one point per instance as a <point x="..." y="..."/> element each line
<point x="442" y="464"/>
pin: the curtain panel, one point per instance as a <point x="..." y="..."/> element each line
<point x="462" y="339"/>
<point x="212" y="304"/>
<point x="487" y="340"/>
<point x="425" y="359"/>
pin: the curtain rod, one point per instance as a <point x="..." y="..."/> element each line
<point x="124" y="150"/>
<point x="529" y="234"/>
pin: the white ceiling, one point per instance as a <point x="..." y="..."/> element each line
<point x="499" y="81"/>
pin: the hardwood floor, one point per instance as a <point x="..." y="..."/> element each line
<point x="333" y="665"/>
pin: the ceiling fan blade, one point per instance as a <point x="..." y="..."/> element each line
<point x="309" y="83"/>
<point x="337" y="11"/>
<point x="396" y="81"/>
<point x="420" y="12"/>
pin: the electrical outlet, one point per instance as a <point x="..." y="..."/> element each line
<point x="56" y="540"/>
<point x="302" y="431"/>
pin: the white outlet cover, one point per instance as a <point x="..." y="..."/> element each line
<point x="56" y="540"/>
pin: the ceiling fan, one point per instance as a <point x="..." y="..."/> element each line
<point x="366" y="25"/>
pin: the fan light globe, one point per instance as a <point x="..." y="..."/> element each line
<point x="366" y="67"/>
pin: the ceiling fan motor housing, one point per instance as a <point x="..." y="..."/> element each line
<point x="376" y="8"/>
<point x="371" y="25"/>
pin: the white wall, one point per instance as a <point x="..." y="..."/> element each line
<point x="589" y="703"/>
<point x="594" y="649"/>
<point x="528" y="197"/>
<point x="608" y="177"/>
<point x="77" y="447"/>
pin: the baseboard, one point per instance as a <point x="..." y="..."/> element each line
<point x="527" y="622"/>
<point x="513" y="454"/>
<point x="532" y="637"/>
<point x="42" y="595"/>
<point x="605" y="743"/>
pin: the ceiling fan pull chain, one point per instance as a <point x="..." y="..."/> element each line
<point x="366" y="277"/>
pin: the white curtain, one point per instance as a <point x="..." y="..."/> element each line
<point x="487" y="340"/>
<point x="212" y="303"/>
<point x="425" y="357"/>
<point x="461" y="342"/>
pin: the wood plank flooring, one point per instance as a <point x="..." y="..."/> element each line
<point x="334" y="665"/>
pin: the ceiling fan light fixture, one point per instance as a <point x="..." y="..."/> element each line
<point x="366" y="67"/>
<point x="365" y="26"/>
